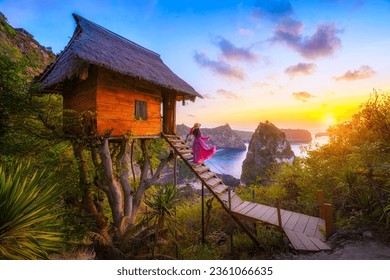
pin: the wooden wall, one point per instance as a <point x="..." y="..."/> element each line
<point x="79" y="96"/>
<point x="116" y="95"/>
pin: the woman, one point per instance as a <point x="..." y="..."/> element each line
<point x="201" y="151"/>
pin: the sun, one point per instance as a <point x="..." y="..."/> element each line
<point x="330" y="121"/>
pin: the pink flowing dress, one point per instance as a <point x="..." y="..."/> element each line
<point x="200" y="149"/>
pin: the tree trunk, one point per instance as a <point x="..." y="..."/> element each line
<point x="112" y="187"/>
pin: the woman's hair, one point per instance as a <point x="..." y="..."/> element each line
<point x="196" y="132"/>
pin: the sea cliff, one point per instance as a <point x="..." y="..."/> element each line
<point x="222" y="136"/>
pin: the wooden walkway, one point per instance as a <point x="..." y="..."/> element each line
<point x="306" y="233"/>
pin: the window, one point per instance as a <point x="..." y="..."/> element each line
<point x="140" y="110"/>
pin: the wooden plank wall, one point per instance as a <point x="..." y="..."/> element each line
<point x="79" y="97"/>
<point x="116" y="95"/>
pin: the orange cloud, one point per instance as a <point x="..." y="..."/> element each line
<point x="302" y="96"/>
<point x="364" y="72"/>
<point x="300" y="69"/>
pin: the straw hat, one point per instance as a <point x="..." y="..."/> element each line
<point x="197" y="125"/>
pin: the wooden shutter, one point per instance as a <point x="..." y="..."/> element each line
<point x="141" y="110"/>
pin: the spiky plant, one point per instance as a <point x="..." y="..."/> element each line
<point x="162" y="211"/>
<point x="29" y="213"/>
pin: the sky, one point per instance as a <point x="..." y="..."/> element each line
<point x="298" y="64"/>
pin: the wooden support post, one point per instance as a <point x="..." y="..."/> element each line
<point x="175" y="169"/>
<point x="279" y="215"/>
<point x="321" y="202"/>
<point x="328" y="219"/>
<point x="231" y="218"/>
<point x="175" y="185"/>
<point x="254" y="224"/>
<point x="203" y="233"/>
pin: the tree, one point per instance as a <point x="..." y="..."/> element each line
<point x="354" y="167"/>
<point x="113" y="176"/>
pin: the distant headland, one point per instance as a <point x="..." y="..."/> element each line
<point x="226" y="137"/>
<point x="292" y="135"/>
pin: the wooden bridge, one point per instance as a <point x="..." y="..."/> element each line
<point x="306" y="233"/>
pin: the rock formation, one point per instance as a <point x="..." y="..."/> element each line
<point x="268" y="147"/>
<point x="18" y="43"/>
<point x="221" y="136"/>
<point x="292" y="135"/>
<point x="297" y="135"/>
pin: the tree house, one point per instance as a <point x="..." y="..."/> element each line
<point x="121" y="86"/>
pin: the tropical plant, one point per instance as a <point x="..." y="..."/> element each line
<point x="29" y="214"/>
<point x="161" y="211"/>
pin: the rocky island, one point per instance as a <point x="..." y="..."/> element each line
<point x="222" y="136"/>
<point x="292" y="135"/>
<point x="268" y="147"/>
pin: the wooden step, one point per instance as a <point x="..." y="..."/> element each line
<point x="208" y="175"/>
<point x="176" y="141"/>
<point x="220" y="188"/>
<point x="213" y="182"/>
<point x="201" y="168"/>
<point x="172" y="136"/>
<point x="302" y="242"/>
<point x="183" y="152"/>
<point x="188" y="157"/>
<point x="180" y="146"/>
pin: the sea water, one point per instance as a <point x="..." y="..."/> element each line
<point x="229" y="161"/>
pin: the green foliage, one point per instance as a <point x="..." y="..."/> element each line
<point x="352" y="169"/>
<point x="29" y="122"/>
<point x="29" y="212"/>
<point x="4" y="26"/>
<point x="202" y="252"/>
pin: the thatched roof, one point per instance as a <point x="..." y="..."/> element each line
<point x="92" y="44"/>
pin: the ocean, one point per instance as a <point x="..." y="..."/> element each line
<point x="229" y="161"/>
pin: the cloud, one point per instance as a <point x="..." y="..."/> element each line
<point x="231" y="52"/>
<point x="323" y="42"/>
<point x="274" y="10"/>
<point x="219" y="67"/>
<point x="227" y="94"/>
<point x="364" y="72"/>
<point x="302" y="96"/>
<point x="208" y="96"/>
<point x="300" y="69"/>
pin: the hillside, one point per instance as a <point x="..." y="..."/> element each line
<point x="20" y="44"/>
<point x="292" y="135"/>
<point x="221" y="136"/>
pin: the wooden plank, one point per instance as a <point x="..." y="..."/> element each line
<point x="187" y="157"/>
<point x="311" y="226"/>
<point x="260" y="212"/>
<point x="265" y="217"/>
<point x="274" y="218"/>
<point x="292" y="221"/>
<point x="295" y="241"/>
<point x="256" y="209"/>
<point x="185" y="151"/>
<point x="286" y="216"/>
<point x="235" y="201"/>
<point x="320" y="230"/>
<point x="248" y="208"/>
<point x="201" y="169"/>
<point x="219" y="188"/>
<point x="320" y="244"/>
<point x="208" y="175"/>
<point x="310" y="246"/>
<point x="213" y="182"/>
<point x="301" y="223"/>
<point x="241" y="206"/>
<point x="233" y="208"/>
